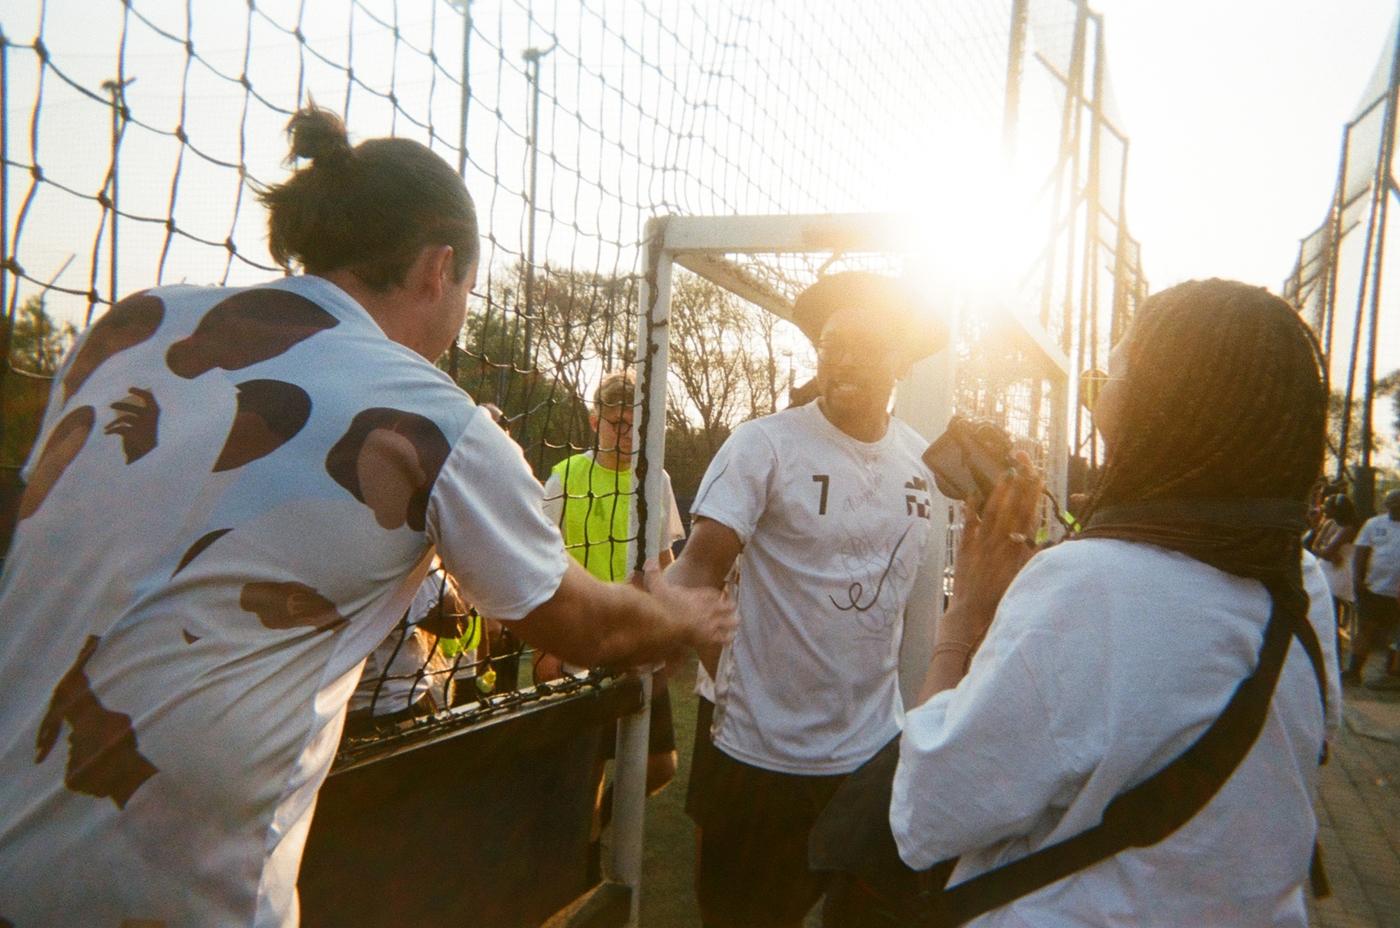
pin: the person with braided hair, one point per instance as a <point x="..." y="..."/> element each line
<point x="1111" y="656"/>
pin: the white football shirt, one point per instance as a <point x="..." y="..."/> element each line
<point x="234" y="496"/>
<point x="834" y="531"/>
<point x="1382" y="535"/>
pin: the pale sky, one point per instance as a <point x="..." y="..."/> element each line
<point x="1235" y="110"/>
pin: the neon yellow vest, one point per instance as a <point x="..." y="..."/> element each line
<point x="597" y="511"/>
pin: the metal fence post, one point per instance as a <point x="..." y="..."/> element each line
<point x="648" y="511"/>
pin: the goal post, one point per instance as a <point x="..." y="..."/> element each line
<point x="725" y="250"/>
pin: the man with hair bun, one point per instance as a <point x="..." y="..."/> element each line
<point x="825" y="508"/>
<point x="234" y="495"/>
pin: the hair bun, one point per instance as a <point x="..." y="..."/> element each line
<point x="318" y="134"/>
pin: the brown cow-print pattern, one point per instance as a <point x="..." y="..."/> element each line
<point x="103" y="757"/>
<point x="63" y="445"/>
<point x="196" y="549"/>
<point x="249" y="327"/>
<point x="128" y="324"/>
<point x="389" y="460"/>
<point x="288" y="604"/>
<point x="270" y="413"/>
<point x="137" y="423"/>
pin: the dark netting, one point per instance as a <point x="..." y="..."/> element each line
<point x="134" y="136"/>
<point x="1337" y="280"/>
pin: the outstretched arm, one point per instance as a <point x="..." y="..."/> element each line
<point x="704" y="564"/>
<point x="592" y="623"/>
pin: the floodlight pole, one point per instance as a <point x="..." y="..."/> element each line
<point x="464" y="105"/>
<point x="1089" y="271"/>
<point x="532" y="62"/>
<point x="116" y="90"/>
<point x="1118" y="321"/>
<point x="1015" y="59"/>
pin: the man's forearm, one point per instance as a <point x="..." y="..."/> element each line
<point x="632" y="629"/>
<point x="592" y="623"/>
<point x="691" y="572"/>
<point x="696" y="575"/>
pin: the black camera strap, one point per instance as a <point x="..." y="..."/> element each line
<point x="1155" y="808"/>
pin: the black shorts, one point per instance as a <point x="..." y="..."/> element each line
<point x="1376" y="614"/>
<point x="752" y="870"/>
<point x="661" y="734"/>
<point x="701" y="756"/>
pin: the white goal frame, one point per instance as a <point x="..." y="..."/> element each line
<point x="925" y="400"/>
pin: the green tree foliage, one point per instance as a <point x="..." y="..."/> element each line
<point x="544" y="412"/>
<point x="37" y="345"/>
<point x="535" y="354"/>
<point x="1388" y="385"/>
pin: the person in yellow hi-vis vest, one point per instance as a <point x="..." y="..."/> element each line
<point x="588" y="496"/>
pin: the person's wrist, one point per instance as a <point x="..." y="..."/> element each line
<point x="955" y="653"/>
<point x="965" y="621"/>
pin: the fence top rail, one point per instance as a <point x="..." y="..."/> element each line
<point x="700" y="244"/>
<point x="891" y="233"/>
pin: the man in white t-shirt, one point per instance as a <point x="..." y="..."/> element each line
<point x="1377" y="576"/>
<point x="826" y="508"/>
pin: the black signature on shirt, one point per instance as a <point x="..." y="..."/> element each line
<point x="856" y="590"/>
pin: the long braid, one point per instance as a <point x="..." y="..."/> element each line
<point x="1223" y="401"/>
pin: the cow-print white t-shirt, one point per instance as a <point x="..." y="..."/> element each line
<point x="232" y="500"/>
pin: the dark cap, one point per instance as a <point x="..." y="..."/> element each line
<point x="863" y="290"/>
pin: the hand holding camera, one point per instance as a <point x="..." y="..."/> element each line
<point x="1001" y="490"/>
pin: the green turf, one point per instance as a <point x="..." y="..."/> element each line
<point x="668" y="861"/>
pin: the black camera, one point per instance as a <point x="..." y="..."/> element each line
<point x="969" y="458"/>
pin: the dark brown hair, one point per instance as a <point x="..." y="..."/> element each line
<point x="1223" y="399"/>
<point x="368" y="209"/>
<point x="1223" y="403"/>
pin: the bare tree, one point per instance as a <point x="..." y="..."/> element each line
<point x="723" y="361"/>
